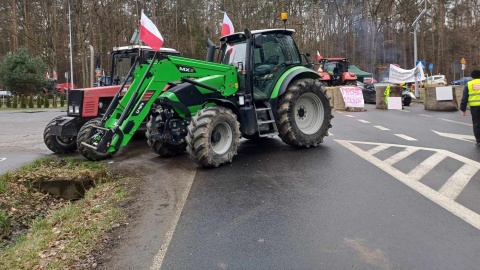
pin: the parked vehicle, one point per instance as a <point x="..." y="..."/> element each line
<point x="461" y="81"/>
<point x="369" y="81"/>
<point x="436" y="79"/>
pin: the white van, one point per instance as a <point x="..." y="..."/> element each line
<point x="3" y="96"/>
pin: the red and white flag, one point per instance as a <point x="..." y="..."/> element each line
<point x="319" y="57"/>
<point x="227" y="26"/>
<point x="149" y="33"/>
<point x="55" y="75"/>
<point x="47" y="76"/>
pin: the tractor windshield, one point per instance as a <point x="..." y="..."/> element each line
<point x="122" y="64"/>
<point x="235" y="53"/>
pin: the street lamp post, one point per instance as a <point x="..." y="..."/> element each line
<point x="70" y="43"/>
<point x="415" y="59"/>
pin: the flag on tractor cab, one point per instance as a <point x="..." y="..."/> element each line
<point x="227" y="26"/>
<point x="149" y="33"/>
<point x="319" y="57"/>
<point x="55" y="75"/>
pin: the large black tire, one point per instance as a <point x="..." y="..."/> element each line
<point x="57" y="144"/>
<point x="85" y="133"/>
<point x="162" y="148"/>
<point x="304" y="113"/>
<point x="213" y="137"/>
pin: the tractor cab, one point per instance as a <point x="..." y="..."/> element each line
<point x="274" y="51"/>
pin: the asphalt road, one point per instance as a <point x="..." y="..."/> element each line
<point x="387" y="190"/>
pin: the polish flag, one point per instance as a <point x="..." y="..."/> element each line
<point x="55" y="75"/>
<point x="227" y="26"/>
<point x="319" y="57"/>
<point x="149" y="33"/>
<point x="47" y="76"/>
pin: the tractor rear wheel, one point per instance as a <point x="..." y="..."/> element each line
<point x="58" y="144"/>
<point x="304" y="113"/>
<point x="213" y="137"/>
<point x="84" y="135"/>
<point x="162" y="148"/>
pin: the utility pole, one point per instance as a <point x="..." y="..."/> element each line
<point x="415" y="28"/>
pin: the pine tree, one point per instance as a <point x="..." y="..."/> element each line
<point x="39" y="101"/>
<point x="23" y="102"/>
<point x="30" y="102"/>
<point x="46" y="102"/>
<point x="15" y="102"/>
<point x="62" y="100"/>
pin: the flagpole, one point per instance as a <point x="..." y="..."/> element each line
<point x="70" y="43"/>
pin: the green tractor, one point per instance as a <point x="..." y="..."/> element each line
<point x="259" y="89"/>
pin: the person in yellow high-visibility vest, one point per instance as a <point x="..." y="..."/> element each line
<point x="471" y="95"/>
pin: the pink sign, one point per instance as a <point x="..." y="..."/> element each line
<point x="352" y="96"/>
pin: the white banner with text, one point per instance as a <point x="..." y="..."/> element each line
<point x="398" y="75"/>
<point x="352" y="96"/>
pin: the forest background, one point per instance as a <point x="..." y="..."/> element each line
<point x="371" y="33"/>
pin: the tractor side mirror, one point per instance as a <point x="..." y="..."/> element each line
<point x="258" y="41"/>
<point x="210" y="50"/>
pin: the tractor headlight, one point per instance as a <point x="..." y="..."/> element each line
<point x="77" y="109"/>
<point x="100" y="105"/>
<point x="70" y="109"/>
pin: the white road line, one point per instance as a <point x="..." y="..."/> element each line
<point x="382" y="128"/>
<point x="2" y="159"/>
<point x="377" y="149"/>
<point x="450" y="205"/>
<point x="404" y="110"/>
<point x="349" y="115"/>
<point x="457" y="182"/>
<point x="400" y="155"/>
<point x="427" y="165"/>
<point x="405" y="137"/>
<point x="158" y="259"/>
<point x="426" y="115"/>
<point x="456" y="122"/>
<point x="364" y="121"/>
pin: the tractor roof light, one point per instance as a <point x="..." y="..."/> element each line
<point x="284" y="17"/>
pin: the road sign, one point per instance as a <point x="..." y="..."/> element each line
<point x="430" y="66"/>
<point x="422" y="62"/>
<point x="463" y="61"/>
<point x="463" y="66"/>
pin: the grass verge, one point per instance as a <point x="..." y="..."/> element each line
<point x="42" y="232"/>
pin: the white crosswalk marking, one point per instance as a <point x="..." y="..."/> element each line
<point x="458" y="181"/>
<point x="382" y="128"/>
<point x="400" y="155"/>
<point x="427" y="165"/>
<point x="405" y="137"/>
<point x="445" y="197"/>
<point x="364" y="121"/>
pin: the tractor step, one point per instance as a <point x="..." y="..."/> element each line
<point x="272" y="125"/>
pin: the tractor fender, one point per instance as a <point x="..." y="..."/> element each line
<point x="224" y="103"/>
<point x="289" y="76"/>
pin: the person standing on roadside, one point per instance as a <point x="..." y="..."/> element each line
<point x="471" y="95"/>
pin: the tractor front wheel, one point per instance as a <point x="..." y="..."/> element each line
<point x="58" y="144"/>
<point x="162" y="148"/>
<point x="85" y="134"/>
<point x="304" y="113"/>
<point x="213" y="137"/>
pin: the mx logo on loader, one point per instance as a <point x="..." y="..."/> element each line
<point x="186" y="69"/>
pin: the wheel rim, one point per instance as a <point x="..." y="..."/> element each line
<point x="221" y="138"/>
<point x="309" y="113"/>
<point x="66" y="141"/>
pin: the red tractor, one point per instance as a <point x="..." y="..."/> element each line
<point x="334" y="72"/>
<point x="60" y="134"/>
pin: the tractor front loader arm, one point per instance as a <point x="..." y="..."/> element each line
<point x="149" y="82"/>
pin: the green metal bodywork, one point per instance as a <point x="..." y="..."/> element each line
<point x="220" y="76"/>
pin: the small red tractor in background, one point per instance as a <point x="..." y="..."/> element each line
<point x="334" y="72"/>
<point x="60" y="134"/>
